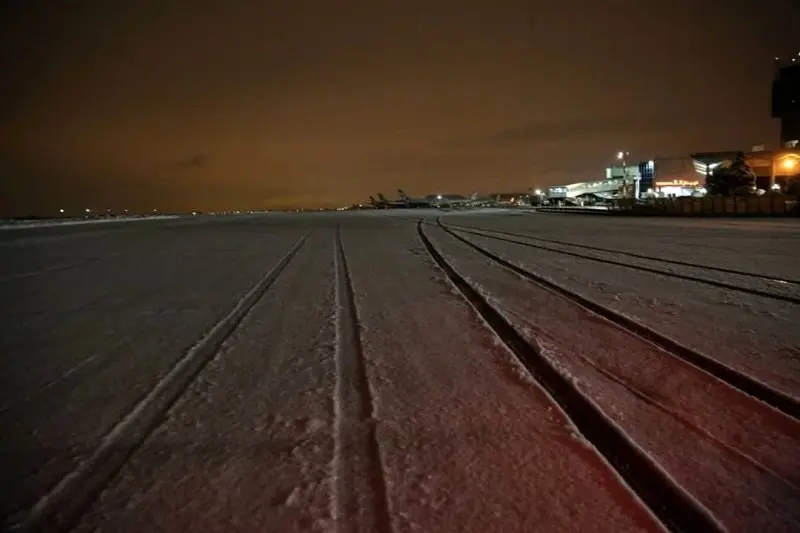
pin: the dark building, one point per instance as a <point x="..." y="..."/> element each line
<point x="786" y="102"/>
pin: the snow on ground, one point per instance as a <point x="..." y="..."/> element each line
<point x="467" y="444"/>
<point x="277" y="433"/>
<point x="249" y="445"/>
<point x="762" y="246"/>
<point x="83" y="344"/>
<point x="28" y="224"/>
<point x="751" y="333"/>
<point x="721" y="276"/>
<point x="732" y="453"/>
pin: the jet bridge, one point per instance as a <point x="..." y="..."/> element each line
<point x="604" y="188"/>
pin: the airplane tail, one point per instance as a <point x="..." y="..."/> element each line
<point x="382" y="197"/>
<point x="403" y="195"/>
<point x="372" y="200"/>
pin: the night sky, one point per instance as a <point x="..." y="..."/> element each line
<point x="194" y="104"/>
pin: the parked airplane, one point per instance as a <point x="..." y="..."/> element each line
<point x="511" y="199"/>
<point x="384" y="203"/>
<point x="414" y="202"/>
<point x="405" y="202"/>
<point x="452" y="200"/>
<point x="474" y="200"/>
<point x="446" y="200"/>
<point x="433" y="200"/>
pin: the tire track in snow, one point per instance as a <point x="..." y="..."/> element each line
<point x="360" y="502"/>
<point x="58" y="268"/>
<point x="677" y="509"/>
<point x="686" y="277"/>
<point x="50" y="384"/>
<point x="63" y="505"/>
<point x="712" y="268"/>
<point x="736" y="379"/>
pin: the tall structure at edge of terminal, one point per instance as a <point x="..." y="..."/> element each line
<point x="786" y="100"/>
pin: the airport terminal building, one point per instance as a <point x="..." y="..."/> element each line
<point x="661" y="177"/>
<point x="682" y="176"/>
<point x="658" y="177"/>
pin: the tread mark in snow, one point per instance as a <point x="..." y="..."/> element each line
<point x="60" y="508"/>
<point x="58" y="268"/>
<point x="678" y="510"/>
<point x="360" y="502"/>
<point x="734" y="378"/>
<point x="713" y="283"/>
<point x="630" y="254"/>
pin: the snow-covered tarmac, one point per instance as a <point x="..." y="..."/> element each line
<point x="49" y="223"/>
<point x="362" y="371"/>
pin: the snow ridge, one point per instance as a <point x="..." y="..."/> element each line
<point x="360" y="499"/>
<point x="675" y="507"/>
<point x="742" y="382"/>
<point x="59" y="509"/>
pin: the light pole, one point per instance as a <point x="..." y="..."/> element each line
<point x="622" y="155"/>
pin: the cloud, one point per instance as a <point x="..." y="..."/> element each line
<point x="550" y="132"/>
<point x="196" y="161"/>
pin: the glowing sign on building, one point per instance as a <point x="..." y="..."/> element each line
<point x="677" y="183"/>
